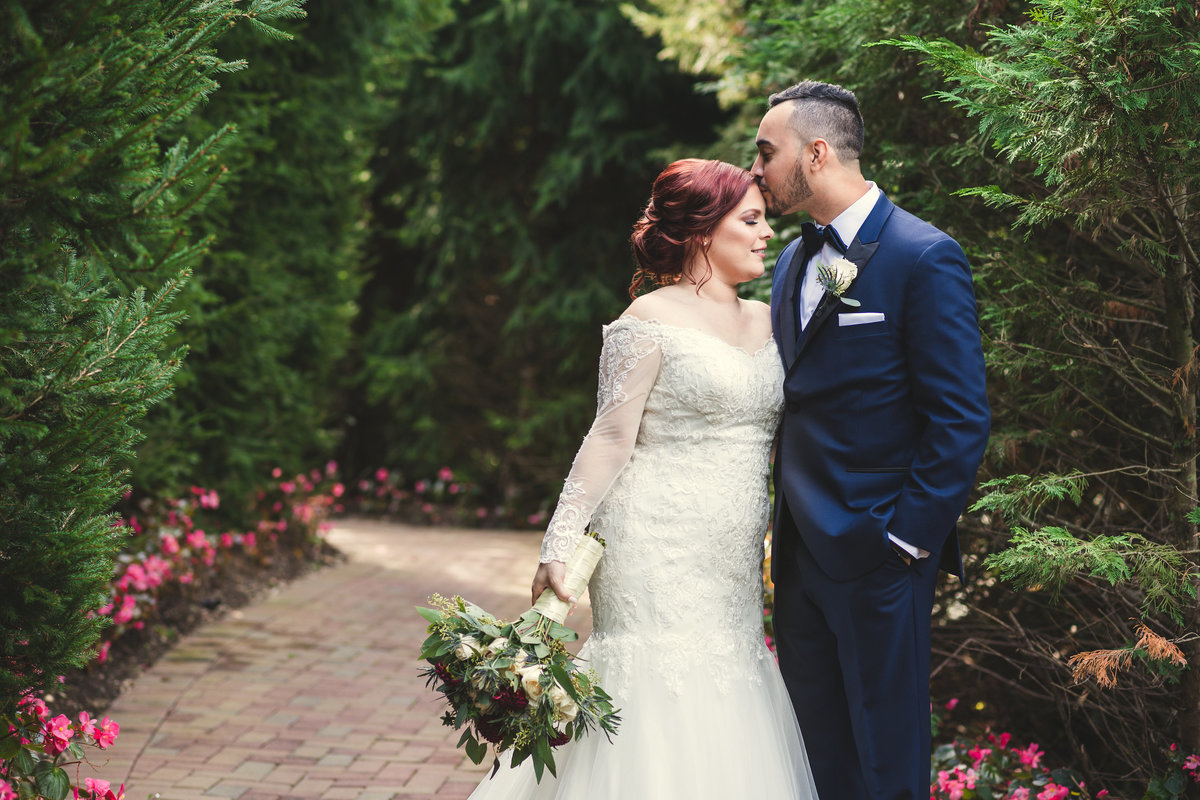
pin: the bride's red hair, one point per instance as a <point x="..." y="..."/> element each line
<point x="689" y="198"/>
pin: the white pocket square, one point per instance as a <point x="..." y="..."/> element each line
<point x="860" y="319"/>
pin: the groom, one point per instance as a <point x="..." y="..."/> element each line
<point x="884" y="428"/>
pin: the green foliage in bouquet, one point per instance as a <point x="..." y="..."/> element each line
<point x="513" y="684"/>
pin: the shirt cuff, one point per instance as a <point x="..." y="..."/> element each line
<point x="915" y="552"/>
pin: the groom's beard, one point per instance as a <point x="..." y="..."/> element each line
<point x="788" y="198"/>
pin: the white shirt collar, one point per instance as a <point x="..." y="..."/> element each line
<point x="849" y="221"/>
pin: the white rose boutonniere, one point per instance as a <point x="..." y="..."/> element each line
<point x="836" y="278"/>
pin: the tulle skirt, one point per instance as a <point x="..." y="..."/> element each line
<point x="689" y="731"/>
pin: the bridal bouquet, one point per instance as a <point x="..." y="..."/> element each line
<point x="514" y="684"/>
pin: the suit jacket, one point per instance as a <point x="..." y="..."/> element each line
<point x="885" y="422"/>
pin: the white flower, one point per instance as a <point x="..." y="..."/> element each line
<point x="468" y="648"/>
<point x="497" y="645"/>
<point x="837" y="276"/>
<point x="564" y="704"/>
<point x="531" y="682"/>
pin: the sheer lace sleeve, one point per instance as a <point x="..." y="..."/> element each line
<point x="629" y="363"/>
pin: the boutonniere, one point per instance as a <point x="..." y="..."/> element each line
<point x="836" y="278"/>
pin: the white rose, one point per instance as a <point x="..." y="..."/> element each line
<point x="564" y="704"/>
<point x="841" y="274"/>
<point x="468" y="648"/>
<point x="518" y="661"/>
<point x="531" y="682"/>
<point x="497" y="645"/>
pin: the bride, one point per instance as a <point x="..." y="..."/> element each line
<point x="673" y="474"/>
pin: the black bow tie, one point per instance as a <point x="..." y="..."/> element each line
<point x="817" y="237"/>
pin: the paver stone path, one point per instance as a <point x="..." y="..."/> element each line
<point x="313" y="691"/>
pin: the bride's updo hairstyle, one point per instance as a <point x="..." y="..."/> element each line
<point x="689" y="198"/>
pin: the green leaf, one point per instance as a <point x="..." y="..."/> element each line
<point x="564" y="680"/>
<point x="476" y="750"/>
<point x="9" y="746"/>
<point x="56" y="785"/>
<point x="546" y="755"/>
<point x="430" y="614"/>
<point x="25" y="761"/>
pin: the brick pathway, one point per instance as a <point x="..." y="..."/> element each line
<point x="314" y="692"/>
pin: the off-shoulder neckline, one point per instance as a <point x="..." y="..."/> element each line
<point x="705" y="334"/>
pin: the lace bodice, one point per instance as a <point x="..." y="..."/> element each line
<point x="709" y="393"/>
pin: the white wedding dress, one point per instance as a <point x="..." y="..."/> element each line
<point x="673" y="474"/>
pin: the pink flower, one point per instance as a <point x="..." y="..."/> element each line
<point x="102" y="653"/>
<point x="453" y="488"/>
<point x="420" y="486"/>
<point x="287" y="487"/>
<point x="197" y="540"/>
<point x="427" y="508"/>
<point x="338" y="490"/>
<point x="1054" y="792"/>
<point x="210" y="499"/>
<point x="331" y="467"/>
<point x="1020" y="793"/>
<point x="978" y="754"/>
<point x="87" y="725"/>
<point x="381" y="474"/>
<point x="35" y="705"/>
<point x="136" y="574"/>
<point x="1030" y="756"/>
<point x="1100" y="795"/>
<point x="445" y="474"/>
<point x="137" y="526"/>
<point x="169" y="544"/>
<point x="227" y="540"/>
<point x="249" y="540"/>
<point x="481" y="513"/>
<point x="106" y="733"/>
<point x="125" y="613"/>
<point x="364" y="485"/>
<point x="275" y="473"/>
<point x="1192" y="762"/>
<point x="6" y="791"/>
<point x="56" y="735"/>
<point x="951" y="703"/>
<point x="97" y="787"/>
<point x="1000" y="741"/>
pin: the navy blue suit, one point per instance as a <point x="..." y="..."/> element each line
<point x="884" y="429"/>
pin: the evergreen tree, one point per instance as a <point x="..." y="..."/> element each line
<point x="518" y="158"/>
<point x="269" y="313"/>
<point x="1093" y="348"/>
<point x="91" y="204"/>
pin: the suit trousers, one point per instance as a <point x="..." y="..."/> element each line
<point x="855" y="658"/>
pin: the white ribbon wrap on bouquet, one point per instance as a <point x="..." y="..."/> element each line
<point x="580" y="566"/>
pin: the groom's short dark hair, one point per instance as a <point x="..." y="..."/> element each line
<point x="826" y="111"/>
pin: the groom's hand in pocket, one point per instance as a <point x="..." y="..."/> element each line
<point x="550" y="576"/>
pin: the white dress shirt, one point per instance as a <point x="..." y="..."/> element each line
<point x="846" y="224"/>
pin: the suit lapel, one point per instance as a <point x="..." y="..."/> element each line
<point x="860" y="251"/>
<point x="787" y="308"/>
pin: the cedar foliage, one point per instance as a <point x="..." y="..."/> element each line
<point x="270" y="314"/>
<point x="520" y="153"/>
<point x="1092" y="349"/>
<point x="93" y="206"/>
<point x="1086" y="315"/>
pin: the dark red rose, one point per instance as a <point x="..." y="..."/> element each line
<point x="511" y="700"/>
<point x="443" y="673"/>
<point x="489" y="728"/>
<point x="559" y="740"/>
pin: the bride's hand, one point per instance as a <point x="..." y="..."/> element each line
<point x="550" y="575"/>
